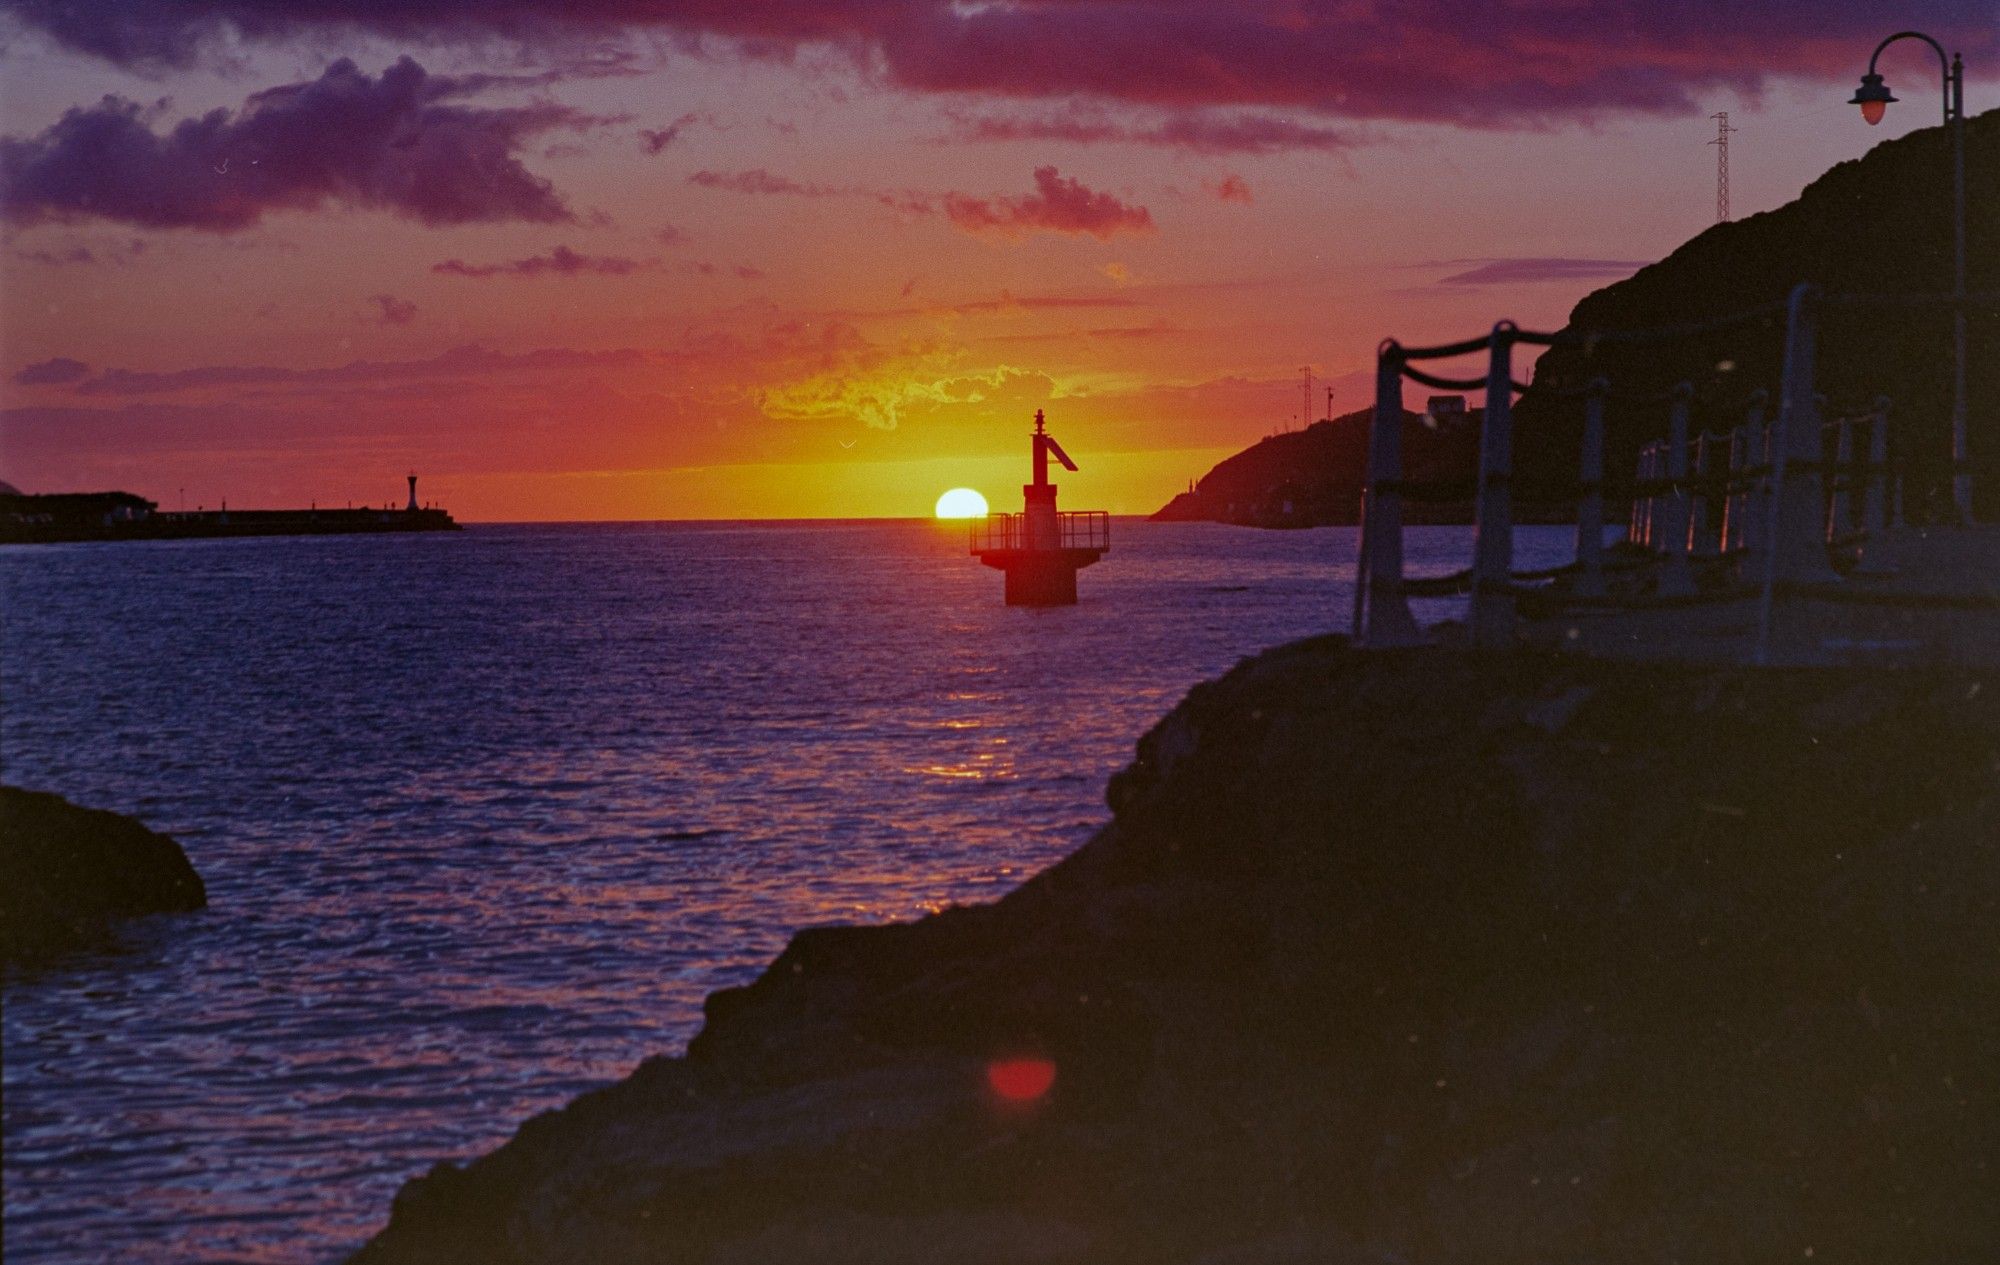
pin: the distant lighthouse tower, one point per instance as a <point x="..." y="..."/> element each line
<point x="412" y="507"/>
<point x="1041" y="549"/>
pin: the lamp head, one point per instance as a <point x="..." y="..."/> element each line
<point x="1873" y="96"/>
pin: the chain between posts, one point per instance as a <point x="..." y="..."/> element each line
<point x="1455" y="384"/>
<point x="1691" y="329"/>
<point x="1692" y="505"/>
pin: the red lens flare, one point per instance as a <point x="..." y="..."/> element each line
<point x="1021" y="1080"/>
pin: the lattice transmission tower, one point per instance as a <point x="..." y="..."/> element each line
<point x="1721" y="143"/>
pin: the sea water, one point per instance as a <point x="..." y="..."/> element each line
<point x="483" y="816"/>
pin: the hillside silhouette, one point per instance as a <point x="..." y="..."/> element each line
<point x="1312" y="477"/>
<point x="1878" y="224"/>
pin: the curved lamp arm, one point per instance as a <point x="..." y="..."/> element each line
<point x="1944" y="61"/>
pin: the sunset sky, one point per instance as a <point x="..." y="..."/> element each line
<point x="640" y="259"/>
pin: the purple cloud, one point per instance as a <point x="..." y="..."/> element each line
<point x="460" y="363"/>
<point x="1479" y="63"/>
<point x="56" y="372"/>
<point x="392" y="143"/>
<point x="1201" y="132"/>
<point x="1231" y="188"/>
<point x="392" y="310"/>
<point x="656" y="139"/>
<point x="758" y="180"/>
<point x="560" y="262"/>
<point x="60" y="258"/>
<point x="103" y="250"/>
<point x="1011" y="302"/>
<point x="1060" y="204"/>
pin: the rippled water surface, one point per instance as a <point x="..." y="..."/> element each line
<point x="484" y="816"/>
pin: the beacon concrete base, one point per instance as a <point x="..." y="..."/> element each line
<point x="1040" y="577"/>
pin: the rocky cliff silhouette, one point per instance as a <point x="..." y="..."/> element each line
<point x="1313" y="477"/>
<point x="1879" y="224"/>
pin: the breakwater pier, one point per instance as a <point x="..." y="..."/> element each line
<point x="81" y="516"/>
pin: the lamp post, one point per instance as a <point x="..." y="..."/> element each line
<point x="1873" y="97"/>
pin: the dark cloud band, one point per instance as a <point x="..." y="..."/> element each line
<point x="560" y="262"/>
<point x="1476" y="62"/>
<point x="398" y="143"/>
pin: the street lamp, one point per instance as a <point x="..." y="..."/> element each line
<point x="1873" y="97"/>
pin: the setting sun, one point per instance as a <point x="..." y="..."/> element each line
<point x="961" y="503"/>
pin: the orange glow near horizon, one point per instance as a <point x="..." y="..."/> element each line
<point x="794" y="303"/>
<point x="1121" y="482"/>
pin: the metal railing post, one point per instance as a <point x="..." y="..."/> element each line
<point x="1676" y="579"/>
<point x="1840" y="508"/>
<point x="1798" y="537"/>
<point x="1728" y="540"/>
<point x="1635" y="513"/>
<point x="1875" y="501"/>
<point x="1492" y="614"/>
<point x="1750" y="506"/>
<point x="1649" y="504"/>
<point x="1656" y="470"/>
<point x="1894" y="481"/>
<point x="1590" y="501"/>
<point x="1381" y="612"/>
<point x="1698" y="496"/>
<point x="1794" y="527"/>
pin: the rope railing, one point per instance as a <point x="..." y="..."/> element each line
<point x="1444" y="351"/>
<point x="1455" y="384"/>
<point x="1763" y="497"/>
<point x="1721" y="480"/>
<point x="1659" y="334"/>
<point x="1662" y="334"/>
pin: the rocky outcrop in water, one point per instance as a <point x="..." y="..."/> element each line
<point x="68" y="873"/>
<point x="1406" y="957"/>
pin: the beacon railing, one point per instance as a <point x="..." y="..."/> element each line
<point x="1075" y="529"/>
<point x="1765" y="498"/>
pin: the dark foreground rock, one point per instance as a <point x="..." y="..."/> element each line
<point x="1417" y="957"/>
<point x="66" y="873"/>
